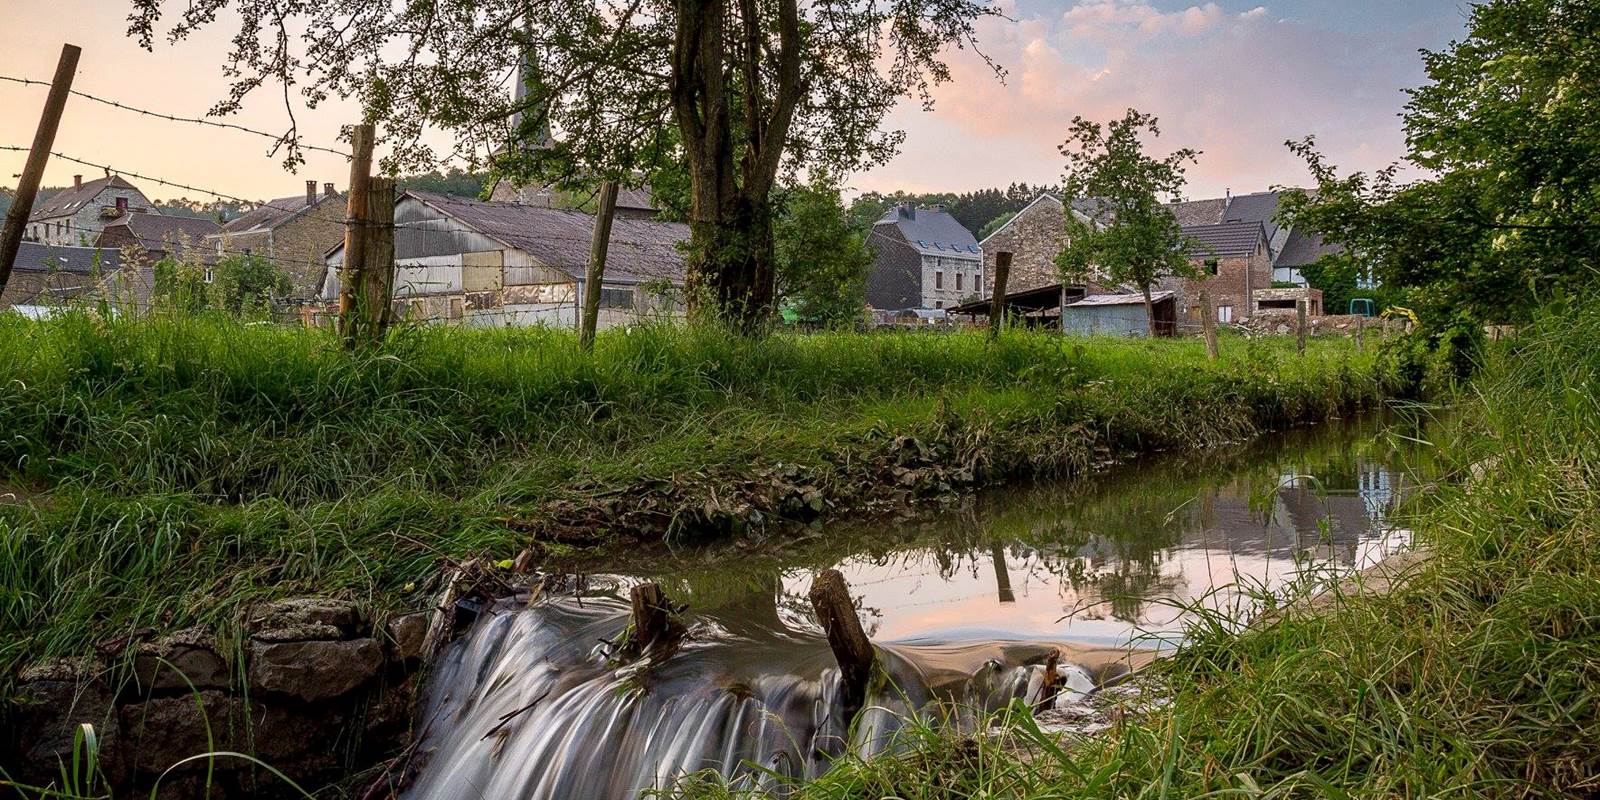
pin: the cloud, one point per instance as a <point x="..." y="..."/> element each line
<point x="1234" y="85"/>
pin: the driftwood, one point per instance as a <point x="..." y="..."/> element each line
<point x="656" y="628"/>
<point x="830" y="596"/>
<point x="1051" y="686"/>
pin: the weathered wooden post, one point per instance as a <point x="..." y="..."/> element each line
<point x="997" y="301"/>
<point x="1361" y="334"/>
<point x="830" y="597"/>
<point x="355" y="229"/>
<point x="654" y="627"/>
<point x="594" y="275"/>
<point x="1208" y="323"/>
<point x="44" y="138"/>
<point x="1300" y="326"/>
<point x="1050" y="685"/>
<point x="1002" y="577"/>
<point x="375" y="282"/>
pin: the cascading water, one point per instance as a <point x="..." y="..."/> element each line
<point x="529" y="705"/>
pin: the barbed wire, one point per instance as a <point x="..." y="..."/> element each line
<point x="279" y="140"/>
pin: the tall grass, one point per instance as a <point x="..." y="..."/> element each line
<point x="175" y="468"/>
<point x="1479" y="676"/>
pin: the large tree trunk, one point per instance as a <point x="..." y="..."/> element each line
<point x="730" y="263"/>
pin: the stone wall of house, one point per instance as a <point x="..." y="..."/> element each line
<point x="316" y="689"/>
<point x="297" y="245"/>
<point x="82" y="228"/>
<point x="1034" y="239"/>
<point x="949" y="281"/>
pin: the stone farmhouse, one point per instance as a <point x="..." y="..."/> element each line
<point x="510" y="264"/>
<point x="46" y="277"/>
<point x="1234" y="240"/>
<point x="75" y="217"/>
<point x="295" y="232"/>
<point x="922" y="259"/>
<point x="155" y="236"/>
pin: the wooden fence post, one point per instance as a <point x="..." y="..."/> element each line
<point x="1361" y="334"/>
<point x="1208" y="323"/>
<point x="376" y="279"/>
<point x="1300" y="326"/>
<point x="355" y="229"/>
<point x="595" y="274"/>
<point x="830" y="596"/>
<point x="997" y="301"/>
<point x="44" y="138"/>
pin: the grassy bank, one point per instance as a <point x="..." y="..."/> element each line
<point x="172" y="470"/>
<point x="1479" y="677"/>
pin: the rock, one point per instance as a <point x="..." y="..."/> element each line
<point x="181" y="660"/>
<point x="407" y="635"/>
<point x="163" y="731"/>
<point x="314" y="670"/>
<point x="304" y="618"/>
<point x="52" y="700"/>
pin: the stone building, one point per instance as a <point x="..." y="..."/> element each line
<point x="155" y="236"/>
<point x="295" y="232"/>
<point x="1234" y="260"/>
<point x="76" y="216"/>
<point x="922" y="258"/>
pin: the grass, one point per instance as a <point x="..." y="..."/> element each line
<point x="1479" y="677"/>
<point x="175" y="469"/>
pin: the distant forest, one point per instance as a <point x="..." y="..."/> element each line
<point x="979" y="212"/>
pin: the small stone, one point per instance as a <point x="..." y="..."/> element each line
<point x="166" y="730"/>
<point x="180" y="661"/>
<point x="306" y="614"/>
<point x="407" y="633"/>
<point x="314" y="670"/>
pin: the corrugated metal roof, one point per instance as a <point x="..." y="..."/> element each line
<point x="1119" y="299"/>
<point x="70" y="201"/>
<point x="1229" y="239"/>
<point x="640" y="250"/>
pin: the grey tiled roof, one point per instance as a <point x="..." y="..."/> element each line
<point x="1198" y="212"/>
<point x="161" y="232"/>
<point x="932" y="231"/>
<point x="71" y="200"/>
<point x="640" y="250"/>
<point x="36" y="257"/>
<point x="1228" y="239"/>
<point x="1303" y="249"/>
<point x="273" y="213"/>
<point x="1257" y="207"/>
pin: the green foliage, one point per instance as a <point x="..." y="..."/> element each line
<point x="995" y="224"/>
<point x="455" y="181"/>
<point x="237" y="284"/>
<point x="822" y="260"/>
<point x="1339" y="276"/>
<point x="1507" y="126"/>
<point x="1131" y="237"/>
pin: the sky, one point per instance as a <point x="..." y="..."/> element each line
<point x="1231" y="78"/>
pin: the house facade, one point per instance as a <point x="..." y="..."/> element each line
<point x="75" y="217"/>
<point x="1233" y="260"/>
<point x="509" y="264"/>
<point x="295" y="232"/>
<point x="155" y="236"/>
<point x="922" y="259"/>
<point x="47" y="277"/>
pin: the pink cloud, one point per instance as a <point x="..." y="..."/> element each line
<point x="1234" y="85"/>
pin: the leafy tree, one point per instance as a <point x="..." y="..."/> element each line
<point x="752" y="87"/>
<point x="454" y="181"/>
<point x="1143" y="243"/>
<point x="1507" y="127"/>
<point x="822" y="259"/>
<point x="996" y="224"/>
<point x="237" y="284"/>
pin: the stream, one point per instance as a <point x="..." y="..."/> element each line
<point x="963" y="605"/>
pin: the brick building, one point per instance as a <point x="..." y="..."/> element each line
<point x="1234" y="260"/>
<point x="922" y="258"/>
<point x="75" y="217"/>
<point x="295" y="232"/>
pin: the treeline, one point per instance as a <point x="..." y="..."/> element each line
<point x="980" y="211"/>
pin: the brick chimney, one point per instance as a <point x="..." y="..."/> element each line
<point x="311" y="193"/>
<point x="122" y="206"/>
<point x="77" y="181"/>
<point x="327" y="189"/>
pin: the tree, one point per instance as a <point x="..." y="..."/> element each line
<point x="1131" y="237"/>
<point x="822" y="259"/>
<point x="995" y="224"/>
<point x="237" y="284"/>
<point x="752" y="88"/>
<point x="1507" y="127"/>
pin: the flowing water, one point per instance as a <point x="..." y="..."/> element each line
<point x="963" y="606"/>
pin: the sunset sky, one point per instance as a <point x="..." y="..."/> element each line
<point x="1232" y="78"/>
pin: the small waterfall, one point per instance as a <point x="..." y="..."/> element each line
<point x="528" y="705"/>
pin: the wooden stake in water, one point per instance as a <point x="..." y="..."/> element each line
<point x="830" y="596"/>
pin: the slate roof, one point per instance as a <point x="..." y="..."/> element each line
<point x="1303" y="249"/>
<point x="1199" y="212"/>
<point x="273" y="213"/>
<point x="1229" y="239"/>
<point x="1258" y="207"/>
<point x="931" y="231"/>
<point x="48" y="273"/>
<point x="640" y="249"/>
<point x="163" y="232"/>
<point x="71" y="200"/>
<point x="37" y="257"/>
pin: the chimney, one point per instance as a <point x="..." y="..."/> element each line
<point x="327" y="189"/>
<point x="122" y="206"/>
<point x="311" y="193"/>
<point x="908" y="211"/>
<point x="1227" y="194"/>
<point x="77" y="181"/>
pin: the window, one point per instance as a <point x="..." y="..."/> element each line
<point x="938" y="304"/>
<point x="1211" y="266"/>
<point x="959" y="276"/>
<point x="615" y="298"/>
<point x="938" y="279"/>
<point x="1224" y="314"/>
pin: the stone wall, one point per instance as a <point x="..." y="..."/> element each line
<point x="1034" y="238"/>
<point x="87" y="222"/>
<point x="316" y="690"/>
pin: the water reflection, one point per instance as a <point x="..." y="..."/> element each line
<point x="1102" y="562"/>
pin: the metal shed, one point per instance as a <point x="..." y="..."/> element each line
<point x="1120" y="315"/>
